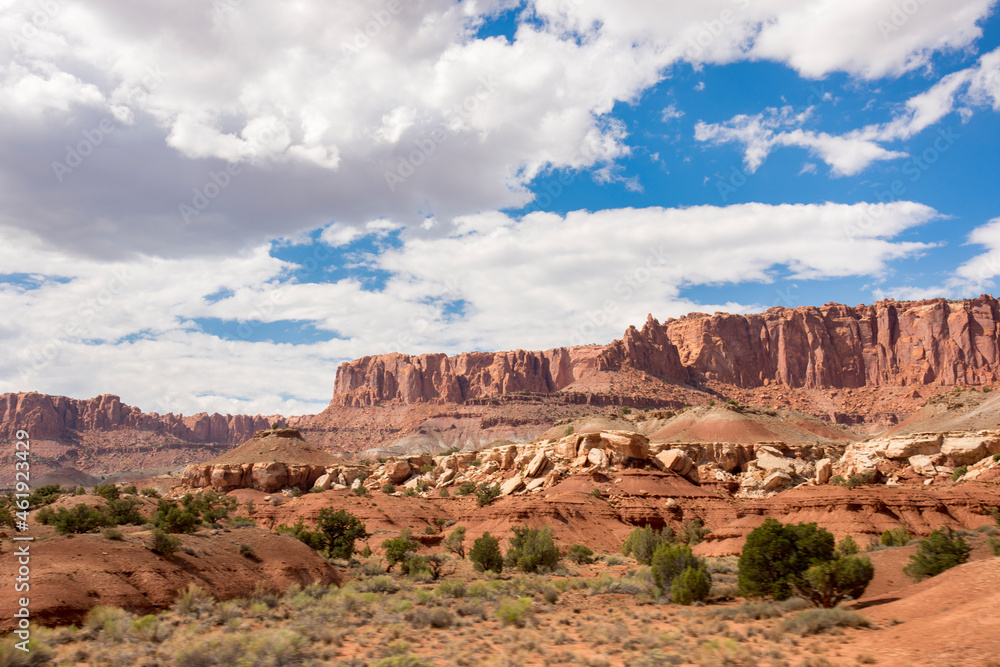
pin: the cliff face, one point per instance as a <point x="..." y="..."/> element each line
<point x="50" y="417"/>
<point x="932" y="342"/>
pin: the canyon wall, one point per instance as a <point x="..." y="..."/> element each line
<point x="933" y="342"/>
<point x="51" y="417"/>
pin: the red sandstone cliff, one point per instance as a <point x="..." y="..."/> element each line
<point x="934" y="342"/>
<point x="51" y="417"/>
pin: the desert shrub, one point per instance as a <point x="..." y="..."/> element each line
<point x="241" y="522"/>
<point x="423" y="485"/>
<point x="130" y="490"/>
<point x="485" y="554"/>
<point x="995" y="546"/>
<point x="514" y="612"/>
<point x="465" y="488"/>
<point x="827" y="584"/>
<point x="80" y="519"/>
<point x="149" y="492"/>
<point x="113" y="534"/>
<point x="247" y="552"/>
<point x="693" y="532"/>
<point x="44" y="495"/>
<point x="339" y="530"/>
<point x="193" y="600"/>
<point x="426" y="468"/>
<point x="7" y="519"/>
<point x="360" y="491"/>
<point x="164" y="543"/>
<point x="171" y="517"/>
<point x="854" y="481"/>
<point x="401" y="661"/>
<point x="669" y="560"/>
<point x="415" y="565"/>
<point x="389" y="488"/>
<point x="532" y="550"/>
<point x="486" y="494"/>
<point x="381" y="584"/>
<point x="410" y="493"/>
<point x="597" y="493"/>
<point x="38" y="653"/>
<point x="848" y="547"/>
<point x="775" y="554"/>
<point x="124" y="511"/>
<point x="455" y="542"/>
<point x="107" y="491"/>
<point x="451" y="589"/>
<point x="443" y="493"/>
<point x="939" y="551"/>
<point x="959" y="472"/>
<point x="691" y="585"/>
<point x="897" y="537"/>
<point x="813" y="621"/>
<point x="642" y="542"/>
<point x="580" y="554"/>
<point x="398" y="549"/>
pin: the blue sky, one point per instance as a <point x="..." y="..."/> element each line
<point x="211" y="207"/>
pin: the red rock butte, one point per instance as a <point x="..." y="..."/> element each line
<point x="932" y="342"/>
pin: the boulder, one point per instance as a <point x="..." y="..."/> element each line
<point x="537" y="465"/>
<point x="418" y="462"/>
<point x="675" y="460"/>
<point x="509" y="455"/>
<point x="567" y="447"/>
<point x="770" y="460"/>
<point x="397" y="471"/>
<point x="971" y="448"/>
<point x="270" y="477"/>
<point x="598" y="458"/>
<point x="197" y="476"/>
<point x="446" y="477"/>
<point x="356" y="484"/>
<point x="824" y="471"/>
<point x="587" y="442"/>
<point x="624" y="445"/>
<point x="325" y="481"/>
<point x="924" y="465"/>
<point x="905" y="446"/>
<point x="491" y="467"/>
<point x="512" y="485"/>
<point x="776" y="480"/>
<point x="226" y="476"/>
<point x="535" y="484"/>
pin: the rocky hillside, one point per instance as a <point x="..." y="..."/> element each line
<point x="934" y="342"/>
<point x="53" y="417"/>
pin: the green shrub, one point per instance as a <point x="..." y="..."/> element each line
<point x="514" y="612"/>
<point x="124" y="511"/>
<point x="107" y="491"/>
<point x="44" y="495"/>
<point x="485" y="554"/>
<point x="423" y="485"/>
<point x="693" y="532"/>
<point x="959" y="472"/>
<point x="486" y="494"/>
<point x="389" y="488"/>
<point x="410" y="493"/>
<point x="691" y="585"/>
<point x="81" y="519"/>
<point x="897" y="537"/>
<point x="113" y="534"/>
<point x="443" y="493"/>
<point x="398" y="549"/>
<point x="532" y="550"/>
<point x="165" y="544"/>
<point x="130" y="490"/>
<point x="171" y="517"/>
<point x="597" y="493"/>
<point x="827" y="584"/>
<point x="669" y="560"/>
<point x="455" y="542"/>
<point x="360" y="491"/>
<point x="642" y="542"/>
<point x="848" y="547"/>
<point x="247" y="552"/>
<point x="995" y="546"/>
<point x="149" y="492"/>
<point x="813" y="621"/>
<point x="939" y="551"/>
<point x="580" y="554"/>
<point x="465" y="488"/>
<point x="775" y="554"/>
